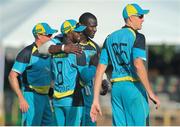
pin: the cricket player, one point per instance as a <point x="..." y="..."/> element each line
<point x="67" y="96"/>
<point x="125" y="50"/>
<point x="34" y="70"/>
<point x="91" y="54"/>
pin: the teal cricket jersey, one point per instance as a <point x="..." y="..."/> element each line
<point x="65" y="70"/>
<point x="120" y="49"/>
<point x="128" y="96"/>
<point x="34" y="69"/>
<point x="89" y="49"/>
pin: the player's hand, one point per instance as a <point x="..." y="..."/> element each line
<point x="50" y="92"/>
<point x="72" y="48"/>
<point x="94" y="60"/>
<point x="105" y="87"/>
<point x="23" y="105"/>
<point x="95" y="110"/>
<point x="155" y="100"/>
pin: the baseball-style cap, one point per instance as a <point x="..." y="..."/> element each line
<point x="71" y="25"/>
<point x="133" y="9"/>
<point x="43" y="28"/>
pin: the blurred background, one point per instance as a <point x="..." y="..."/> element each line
<point x="161" y="28"/>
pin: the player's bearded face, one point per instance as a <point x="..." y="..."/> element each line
<point x="76" y="37"/>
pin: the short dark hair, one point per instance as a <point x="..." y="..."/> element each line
<point x="83" y="19"/>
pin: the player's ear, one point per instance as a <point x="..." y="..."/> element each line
<point x="130" y="18"/>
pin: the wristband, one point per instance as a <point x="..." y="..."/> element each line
<point x="62" y="47"/>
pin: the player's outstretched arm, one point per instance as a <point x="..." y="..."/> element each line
<point x="95" y="108"/>
<point x="67" y="48"/>
<point x="142" y="73"/>
<point x="13" y="79"/>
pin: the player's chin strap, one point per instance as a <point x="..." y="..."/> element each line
<point x="86" y="87"/>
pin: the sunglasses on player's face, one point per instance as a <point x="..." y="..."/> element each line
<point x="47" y="35"/>
<point x="140" y="16"/>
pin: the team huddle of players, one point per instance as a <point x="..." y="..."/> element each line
<point x="65" y="75"/>
<point x="66" y="72"/>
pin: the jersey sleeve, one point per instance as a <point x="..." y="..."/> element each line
<point x="139" y="50"/>
<point x="104" y="58"/>
<point x="22" y="61"/>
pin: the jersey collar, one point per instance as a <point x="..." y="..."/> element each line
<point x="130" y="28"/>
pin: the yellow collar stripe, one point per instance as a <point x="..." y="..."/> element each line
<point x="34" y="49"/>
<point x="89" y="43"/>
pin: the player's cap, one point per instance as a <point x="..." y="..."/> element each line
<point x="71" y="25"/>
<point x="133" y="9"/>
<point x="43" y="28"/>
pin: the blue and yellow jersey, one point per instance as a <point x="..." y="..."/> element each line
<point x="65" y="72"/>
<point x="120" y="49"/>
<point x="89" y="49"/>
<point x="34" y="69"/>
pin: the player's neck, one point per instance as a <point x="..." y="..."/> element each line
<point x="39" y="42"/>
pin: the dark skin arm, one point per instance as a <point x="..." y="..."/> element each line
<point x="68" y="48"/>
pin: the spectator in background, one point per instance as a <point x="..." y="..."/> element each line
<point x="174" y="89"/>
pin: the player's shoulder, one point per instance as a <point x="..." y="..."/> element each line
<point x="25" y="54"/>
<point x="115" y="33"/>
<point x="27" y="50"/>
<point x="94" y="44"/>
<point x="140" y="35"/>
<point x="140" y="40"/>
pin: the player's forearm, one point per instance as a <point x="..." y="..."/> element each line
<point x="55" y="49"/>
<point x="98" y="81"/>
<point x="13" y="79"/>
<point x="142" y="73"/>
